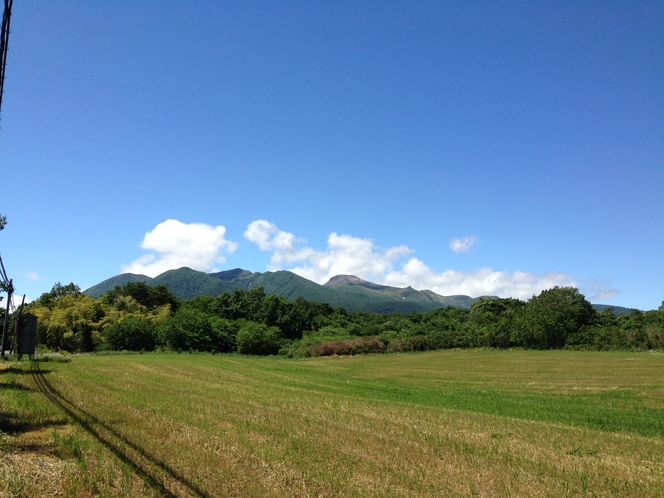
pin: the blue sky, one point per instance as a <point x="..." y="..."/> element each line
<point x="465" y="147"/>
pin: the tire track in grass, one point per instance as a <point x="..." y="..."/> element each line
<point x="147" y="466"/>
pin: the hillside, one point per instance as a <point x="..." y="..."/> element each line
<point x="123" y="279"/>
<point x="384" y="299"/>
<point x="349" y="292"/>
<point x="346" y="291"/>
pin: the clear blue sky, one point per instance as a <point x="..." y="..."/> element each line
<point x="466" y="147"/>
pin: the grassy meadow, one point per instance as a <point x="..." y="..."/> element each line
<point x="445" y="423"/>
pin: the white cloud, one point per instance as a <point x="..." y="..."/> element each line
<point x="349" y="255"/>
<point x="345" y="255"/>
<point x="602" y="294"/>
<point x="463" y="245"/>
<point x="269" y="238"/>
<point x="175" y="244"/>
<point x="32" y="275"/>
<point x="599" y="289"/>
<point x="482" y="282"/>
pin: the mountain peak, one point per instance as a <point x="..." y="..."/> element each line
<point x="344" y="279"/>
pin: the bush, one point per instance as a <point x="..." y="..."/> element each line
<point x="362" y="345"/>
<point x="131" y="334"/>
<point x="259" y="339"/>
<point x="188" y="330"/>
<point x="416" y="343"/>
<point x="224" y="333"/>
<point x="548" y="319"/>
<point x="55" y="335"/>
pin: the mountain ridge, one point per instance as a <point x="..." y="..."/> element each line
<point x="346" y="291"/>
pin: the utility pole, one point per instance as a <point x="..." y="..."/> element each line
<point x="4" y="328"/>
<point x="4" y="43"/>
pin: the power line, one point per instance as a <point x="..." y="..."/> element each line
<point x="4" y="44"/>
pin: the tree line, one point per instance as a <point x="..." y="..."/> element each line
<point x="138" y="317"/>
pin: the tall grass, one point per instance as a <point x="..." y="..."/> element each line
<point x="458" y="423"/>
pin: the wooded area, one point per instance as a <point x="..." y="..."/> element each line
<point x="138" y="317"/>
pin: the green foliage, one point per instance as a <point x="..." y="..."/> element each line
<point x="151" y="297"/>
<point x="188" y="329"/>
<point x="493" y="320"/>
<point x="131" y="334"/>
<point x="57" y="291"/>
<point x="110" y="284"/>
<point x="54" y="335"/>
<point x="224" y="333"/>
<point x="138" y="316"/>
<point x="549" y="318"/>
<point x="259" y="339"/>
<point x="3" y="222"/>
<point x="187" y="284"/>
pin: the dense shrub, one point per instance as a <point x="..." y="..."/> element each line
<point x="55" y="334"/>
<point x="188" y="329"/>
<point x="131" y="334"/>
<point x="362" y="345"/>
<point x="259" y="339"/>
<point x="548" y="319"/>
<point x="415" y="343"/>
<point x="223" y="333"/>
<point x="138" y="316"/>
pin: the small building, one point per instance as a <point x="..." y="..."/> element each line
<point x="26" y="334"/>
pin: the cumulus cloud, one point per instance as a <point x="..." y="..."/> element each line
<point x="174" y="244"/>
<point x="282" y="244"/>
<point x="32" y="275"/>
<point x="348" y="255"/>
<point x="598" y="290"/>
<point x="463" y="245"/>
<point x="482" y="282"/>
<point x="344" y="255"/>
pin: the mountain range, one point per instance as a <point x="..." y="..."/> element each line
<point x="347" y="291"/>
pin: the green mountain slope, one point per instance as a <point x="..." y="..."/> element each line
<point x="351" y="293"/>
<point x="346" y="291"/>
<point x="186" y="283"/>
<point x="384" y="299"/>
<point x="123" y="279"/>
<point x="618" y="310"/>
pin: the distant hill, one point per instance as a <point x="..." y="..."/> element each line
<point x="123" y="279"/>
<point x="186" y="283"/>
<point x="385" y="299"/>
<point x="347" y="291"/>
<point x="618" y="310"/>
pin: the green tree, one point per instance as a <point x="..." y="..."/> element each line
<point x="151" y="297"/>
<point x="548" y="319"/>
<point x="189" y="329"/>
<point x="259" y="339"/>
<point x="131" y="334"/>
<point x="3" y="222"/>
<point x="57" y="291"/>
<point x="493" y="319"/>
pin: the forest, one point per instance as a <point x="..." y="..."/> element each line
<point x="138" y="317"/>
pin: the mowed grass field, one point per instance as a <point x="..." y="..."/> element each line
<point x="450" y="423"/>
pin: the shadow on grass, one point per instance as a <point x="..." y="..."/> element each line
<point x="13" y="424"/>
<point x="116" y="442"/>
<point x="19" y="371"/>
<point x="14" y="386"/>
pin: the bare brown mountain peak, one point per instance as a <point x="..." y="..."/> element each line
<point x="344" y="279"/>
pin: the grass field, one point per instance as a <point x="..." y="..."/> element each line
<point x="452" y="423"/>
